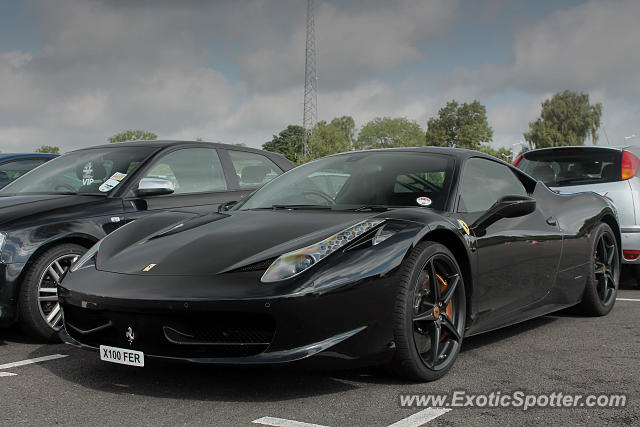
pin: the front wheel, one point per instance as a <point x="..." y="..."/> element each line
<point x="40" y="313"/>
<point x="604" y="275"/>
<point x="430" y="312"/>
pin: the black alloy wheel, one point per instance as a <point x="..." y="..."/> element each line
<point x="430" y="313"/>
<point x="602" y="284"/>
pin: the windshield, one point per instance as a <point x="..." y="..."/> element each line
<point x="93" y="171"/>
<point x="572" y="166"/>
<point x="360" y="181"/>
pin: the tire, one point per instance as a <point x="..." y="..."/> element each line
<point x="636" y="275"/>
<point x="423" y="317"/>
<point x="604" y="274"/>
<point x="37" y="300"/>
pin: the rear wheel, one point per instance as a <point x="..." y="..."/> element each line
<point x="40" y="313"/>
<point x="430" y="312"/>
<point x="604" y="276"/>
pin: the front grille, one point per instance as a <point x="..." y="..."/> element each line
<point x="179" y="335"/>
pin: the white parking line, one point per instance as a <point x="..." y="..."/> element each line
<point x="627" y="299"/>
<point x="421" y="418"/>
<point x="7" y="374"/>
<point x="30" y="361"/>
<point x="415" y="420"/>
<point x="281" y="422"/>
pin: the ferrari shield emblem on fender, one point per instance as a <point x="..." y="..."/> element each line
<point x="148" y="267"/>
<point x="464" y="226"/>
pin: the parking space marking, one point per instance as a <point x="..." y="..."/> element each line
<point x="421" y="418"/>
<point x="628" y="299"/>
<point x="281" y="422"/>
<point x="30" y="361"/>
<point x="7" y="374"/>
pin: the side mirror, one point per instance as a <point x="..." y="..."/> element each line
<point x="227" y="205"/>
<point x="154" y="187"/>
<point x="506" y="207"/>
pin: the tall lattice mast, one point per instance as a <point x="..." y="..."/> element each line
<point x="310" y="113"/>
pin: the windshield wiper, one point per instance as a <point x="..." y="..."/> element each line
<point x="274" y="207"/>
<point x="372" y="208"/>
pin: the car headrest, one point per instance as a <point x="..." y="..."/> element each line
<point x="254" y="174"/>
<point x="610" y="173"/>
<point x="544" y="173"/>
<point x="91" y="170"/>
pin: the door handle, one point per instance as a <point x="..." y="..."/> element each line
<point x="552" y="221"/>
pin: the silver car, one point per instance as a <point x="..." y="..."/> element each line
<point x="609" y="171"/>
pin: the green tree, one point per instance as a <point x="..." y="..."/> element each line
<point x="48" y="149"/>
<point x="288" y="143"/>
<point x="459" y="125"/>
<point x="133" y="135"/>
<point x="348" y="127"/>
<point x="327" y="138"/>
<point x="501" y="153"/>
<point x="566" y="119"/>
<point x="385" y="132"/>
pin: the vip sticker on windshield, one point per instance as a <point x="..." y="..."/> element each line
<point x="87" y="174"/>
<point x="423" y="201"/>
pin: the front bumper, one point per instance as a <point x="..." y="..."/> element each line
<point x="351" y="323"/>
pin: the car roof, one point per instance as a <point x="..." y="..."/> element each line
<point x="10" y="156"/>
<point x="163" y="143"/>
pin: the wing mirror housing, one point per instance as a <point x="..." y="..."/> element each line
<point x="154" y="187"/>
<point x="506" y="207"/>
<point x="227" y="205"/>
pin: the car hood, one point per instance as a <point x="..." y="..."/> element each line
<point x="217" y="243"/>
<point x="19" y="207"/>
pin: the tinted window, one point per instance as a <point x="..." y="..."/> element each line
<point x="484" y="182"/>
<point x="253" y="169"/>
<point x="191" y="170"/>
<point x="349" y="181"/>
<point x="15" y="168"/>
<point x="572" y="166"/>
<point x="93" y="171"/>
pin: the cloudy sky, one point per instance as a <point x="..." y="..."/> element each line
<point x="74" y="72"/>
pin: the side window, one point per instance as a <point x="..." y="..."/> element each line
<point x="484" y="182"/>
<point x="253" y="169"/>
<point x="16" y="168"/>
<point x="192" y="170"/>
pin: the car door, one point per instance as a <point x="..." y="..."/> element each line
<point x="517" y="257"/>
<point x="198" y="178"/>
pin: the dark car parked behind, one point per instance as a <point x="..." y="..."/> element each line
<point x="14" y="165"/>
<point x="52" y="215"/>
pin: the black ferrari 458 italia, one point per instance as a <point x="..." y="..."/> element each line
<point x="373" y="257"/>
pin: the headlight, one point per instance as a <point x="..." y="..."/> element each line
<point x="293" y="263"/>
<point x="88" y="256"/>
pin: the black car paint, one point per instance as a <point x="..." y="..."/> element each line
<point x="340" y="309"/>
<point x="34" y="223"/>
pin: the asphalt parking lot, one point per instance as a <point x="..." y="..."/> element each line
<point x="561" y="352"/>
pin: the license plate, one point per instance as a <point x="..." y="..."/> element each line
<point x="122" y="356"/>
